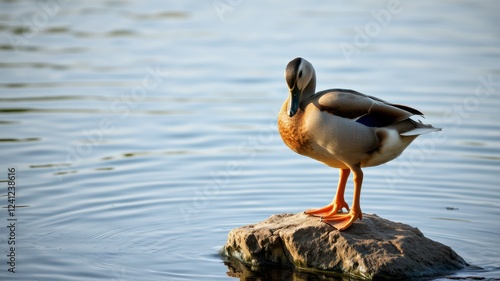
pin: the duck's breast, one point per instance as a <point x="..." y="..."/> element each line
<point x="292" y="131"/>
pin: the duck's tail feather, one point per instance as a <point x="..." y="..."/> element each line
<point x="420" y="129"/>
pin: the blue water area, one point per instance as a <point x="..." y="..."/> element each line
<point x="142" y="132"/>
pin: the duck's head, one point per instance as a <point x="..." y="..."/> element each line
<point x="301" y="79"/>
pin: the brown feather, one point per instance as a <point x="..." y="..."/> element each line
<point x="370" y="111"/>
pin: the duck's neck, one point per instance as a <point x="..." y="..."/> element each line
<point x="310" y="89"/>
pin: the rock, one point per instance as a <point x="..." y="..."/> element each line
<point x="373" y="248"/>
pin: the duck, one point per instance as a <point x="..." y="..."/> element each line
<point x="343" y="129"/>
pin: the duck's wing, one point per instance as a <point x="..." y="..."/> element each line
<point x="367" y="110"/>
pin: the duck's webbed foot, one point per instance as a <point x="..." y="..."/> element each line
<point x="342" y="221"/>
<point x="328" y="210"/>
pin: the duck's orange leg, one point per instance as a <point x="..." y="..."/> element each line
<point x="338" y="201"/>
<point x="343" y="221"/>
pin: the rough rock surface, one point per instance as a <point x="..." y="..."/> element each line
<point x="373" y="248"/>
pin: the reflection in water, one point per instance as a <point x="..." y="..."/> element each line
<point x="247" y="273"/>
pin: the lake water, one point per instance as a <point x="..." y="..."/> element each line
<point x="142" y="132"/>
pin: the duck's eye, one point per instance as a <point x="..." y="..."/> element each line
<point x="300" y="74"/>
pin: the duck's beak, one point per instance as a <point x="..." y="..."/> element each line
<point x="294" y="101"/>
